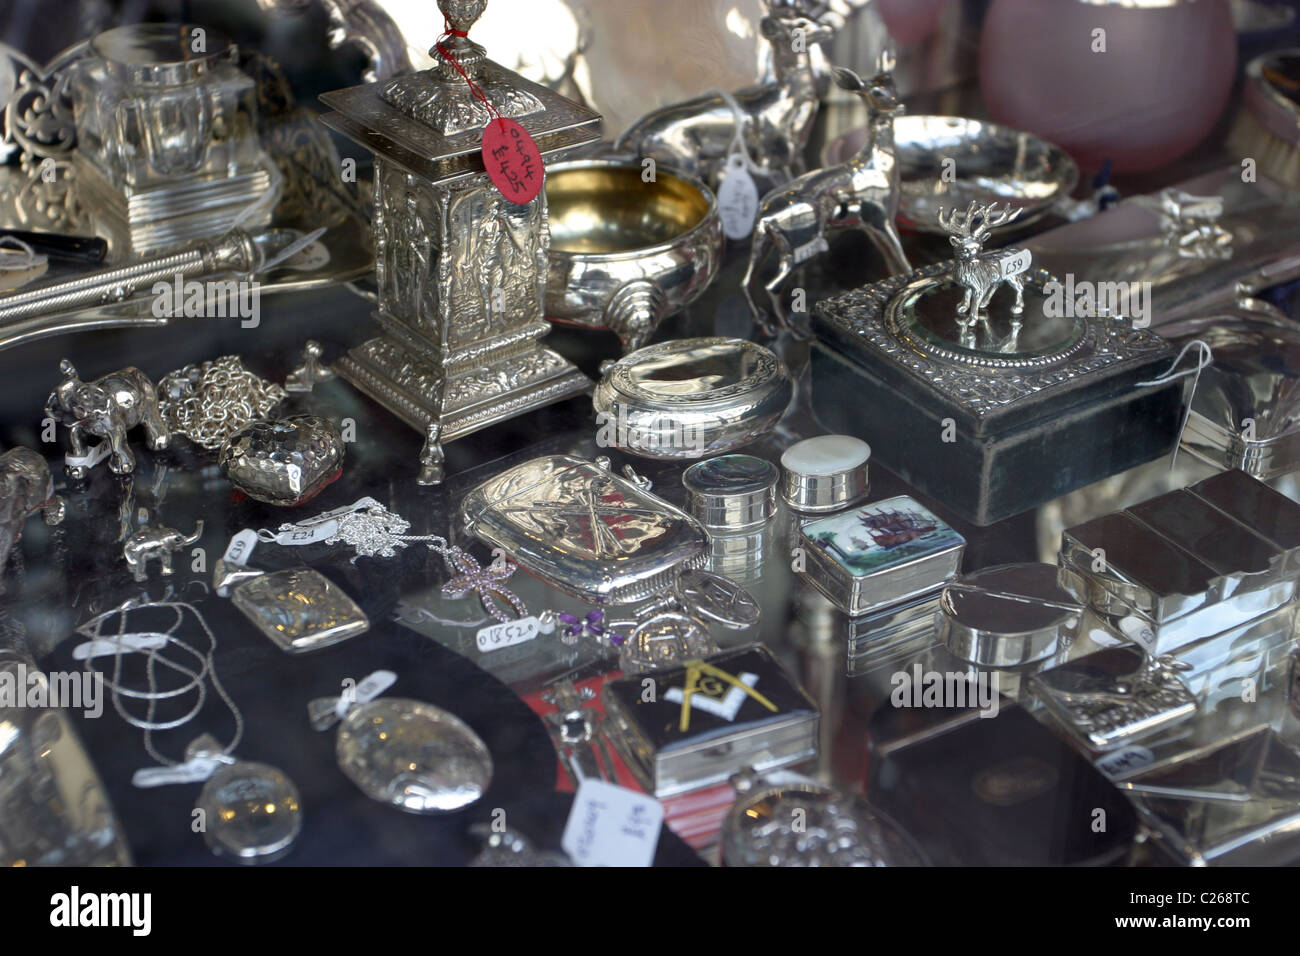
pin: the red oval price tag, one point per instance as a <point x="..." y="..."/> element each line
<point x="512" y="160"/>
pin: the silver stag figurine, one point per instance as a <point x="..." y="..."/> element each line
<point x="777" y="116"/>
<point x="981" y="273"/>
<point x="860" y="193"/>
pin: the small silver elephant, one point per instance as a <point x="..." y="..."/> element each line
<point x="25" y="487"/>
<point x="108" y="407"/>
<point x="151" y="542"/>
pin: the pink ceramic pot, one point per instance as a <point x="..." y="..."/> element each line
<point x="1154" y="93"/>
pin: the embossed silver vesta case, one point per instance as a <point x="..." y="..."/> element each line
<point x="978" y="383"/>
<point x="461" y="270"/>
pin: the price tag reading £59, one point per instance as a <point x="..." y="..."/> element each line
<point x="610" y="825"/>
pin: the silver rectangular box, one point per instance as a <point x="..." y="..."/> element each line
<point x="875" y="555"/>
<point x="699" y="726"/>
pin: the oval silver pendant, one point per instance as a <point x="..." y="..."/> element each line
<point x="413" y="755"/>
<point x="252" y="812"/>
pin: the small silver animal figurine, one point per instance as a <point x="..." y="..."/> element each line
<point x="1190" y="224"/>
<point x="860" y="193"/>
<point x="777" y="116"/>
<point x="108" y="408"/>
<point x="25" y="488"/>
<point x="981" y="273"/>
<point x="151" y="542"/>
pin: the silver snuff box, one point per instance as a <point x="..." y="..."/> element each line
<point x="691" y="398"/>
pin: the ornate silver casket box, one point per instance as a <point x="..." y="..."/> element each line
<point x="589" y="532"/>
<point x="461" y="269"/>
<point x="991" y="412"/>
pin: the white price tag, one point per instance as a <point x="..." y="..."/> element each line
<point x="737" y="198"/>
<point x="1014" y="263"/>
<point x="309" y="535"/>
<point x="1124" y="762"/>
<point x="1139" y="632"/>
<point x="192" y="771"/>
<point x="241" y="547"/>
<point x="496" y="636"/>
<point x="127" y="643"/>
<point x="93" y="456"/>
<point x="809" y="249"/>
<point x="365" y="692"/>
<point x="610" y="825"/>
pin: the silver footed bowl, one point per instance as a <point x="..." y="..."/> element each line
<point x="626" y="253"/>
<point x="991" y="163"/>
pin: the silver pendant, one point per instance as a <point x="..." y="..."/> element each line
<point x="252" y="812"/>
<point x="300" y="609"/>
<point x="413" y="755"/>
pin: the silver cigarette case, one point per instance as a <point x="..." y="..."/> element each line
<point x="593" y="534"/>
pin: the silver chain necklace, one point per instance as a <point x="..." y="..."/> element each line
<point x="198" y="679"/>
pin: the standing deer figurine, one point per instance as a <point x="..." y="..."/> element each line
<point x="859" y="193"/>
<point x="695" y="135"/>
<point x="981" y="273"/>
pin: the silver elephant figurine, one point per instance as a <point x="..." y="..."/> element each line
<point x="108" y="408"/>
<point x="860" y="193"/>
<point x="151" y="542"/>
<point x="25" y="488"/>
<point x="777" y="116"/>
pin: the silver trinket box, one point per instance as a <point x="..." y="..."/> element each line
<point x="1177" y="568"/>
<point x="731" y="493"/>
<point x="1233" y="803"/>
<point x="989" y="403"/>
<point x="825" y="473"/>
<point x="880" y="554"/>
<point x="1115" y="696"/>
<point x="691" y="398"/>
<point x="596" y="535"/>
<point x="710" y="718"/>
<point x="1008" y="615"/>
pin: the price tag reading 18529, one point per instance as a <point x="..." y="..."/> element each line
<point x="512" y="160"/>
